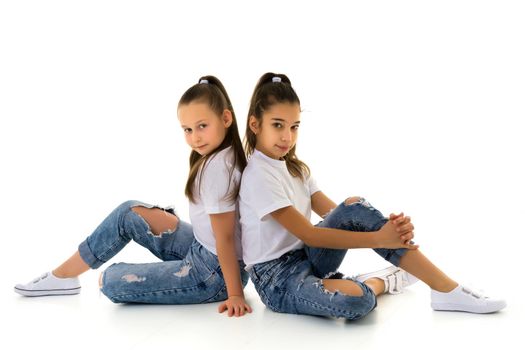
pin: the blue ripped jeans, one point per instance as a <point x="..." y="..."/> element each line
<point x="293" y="284"/>
<point x="187" y="274"/>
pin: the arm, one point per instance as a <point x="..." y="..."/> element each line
<point x="321" y="204"/>
<point x="223" y="226"/>
<point x="298" y="225"/>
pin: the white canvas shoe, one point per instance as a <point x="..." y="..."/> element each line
<point x="395" y="278"/>
<point x="465" y="299"/>
<point x="49" y="284"/>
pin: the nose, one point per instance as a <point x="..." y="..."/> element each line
<point x="195" y="138"/>
<point x="286" y="135"/>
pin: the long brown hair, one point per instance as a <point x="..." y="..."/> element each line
<point x="266" y="94"/>
<point x="210" y="90"/>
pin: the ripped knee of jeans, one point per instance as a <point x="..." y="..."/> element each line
<point x="358" y="200"/>
<point x="160" y="221"/>
<point x="334" y="283"/>
<point x="353" y="200"/>
<point x="101" y="280"/>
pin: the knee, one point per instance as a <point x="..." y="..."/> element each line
<point x="363" y="305"/>
<point x="127" y="206"/>
<point x="108" y="285"/>
<point x="139" y="210"/>
<point x="101" y="280"/>
<point x="351" y="200"/>
<point x="160" y="221"/>
<point x="344" y="286"/>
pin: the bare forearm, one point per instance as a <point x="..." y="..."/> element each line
<point x="321" y="204"/>
<point x="229" y="265"/>
<point x="340" y="239"/>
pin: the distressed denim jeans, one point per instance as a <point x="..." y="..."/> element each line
<point x="293" y="282"/>
<point x="187" y="274"/>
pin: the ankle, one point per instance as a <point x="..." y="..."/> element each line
<point x="447" y="287"/>
<point x="377" y="285"/>
<point x="59" y="274"/>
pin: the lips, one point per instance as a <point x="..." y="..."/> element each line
<point x="283" y="148"/>
<point x="199" y="148"/>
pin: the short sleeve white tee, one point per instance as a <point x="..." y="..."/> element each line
<point x="211" y="198"/>
<point x="266" y="187"/>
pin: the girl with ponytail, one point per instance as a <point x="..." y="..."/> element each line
<point x="292" y="263"/>
<point x="201" y="262"/>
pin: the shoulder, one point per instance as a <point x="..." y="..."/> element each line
<point x="261" y="178"/>
<point x="223" y="157"/>
<point x="221" y="161"/>
<point x="259" y="169"/>
<point x="309" y="177"/>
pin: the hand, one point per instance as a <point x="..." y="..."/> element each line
<point x="236" y="305"/>
<point x="396" y="233"/>
<point x="404" y="226"/>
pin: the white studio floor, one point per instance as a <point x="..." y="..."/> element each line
<point x="90" y="320"/>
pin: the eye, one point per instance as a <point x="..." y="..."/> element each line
<point x="202" y="126"/>
<point x="277" y="125"/>
<point x="187" y="130"/>
<point x="295" y="127"/>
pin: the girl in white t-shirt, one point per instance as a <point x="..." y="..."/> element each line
<point x="201" y="262"/>
<point x="293" y="263"/>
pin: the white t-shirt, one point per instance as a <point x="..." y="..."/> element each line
<point x="267" y="186"/>
<point x="211" y="199"/>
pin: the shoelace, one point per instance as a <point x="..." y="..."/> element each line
<point x="40" y="278"/>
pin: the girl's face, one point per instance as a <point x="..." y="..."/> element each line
<point x="276" y="133"/>
<point x="204" y="130"/>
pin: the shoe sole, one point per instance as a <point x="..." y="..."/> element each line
<point x="465" y="308"/>
<point x="46" y="292"/>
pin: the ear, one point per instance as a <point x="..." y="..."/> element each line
<point x="227" y="118"/>
<point x="253" y="124"/>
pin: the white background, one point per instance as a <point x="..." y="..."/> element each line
<point x="414" y="105"/>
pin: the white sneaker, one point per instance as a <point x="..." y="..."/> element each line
<point x="49" y="284"/>
<point x="465" y="299"/>
<point x="395" y="278"/>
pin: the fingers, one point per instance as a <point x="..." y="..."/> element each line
<point x="405" y="228"/>
<point x="222" y="308"/>
<point x="402" y="220"/>
<point x="404" y="225"/>
<point x="239" y="311"/>
<point x="242" y="310"/>
<point x="407" y="237"/>
<point x="393" y="216"/>
<point x="411" y="246"/>
<point x="235" y="310"/>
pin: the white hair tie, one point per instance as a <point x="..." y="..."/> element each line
<point x="276" y="80"/>
<point x="203" y="81"/>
